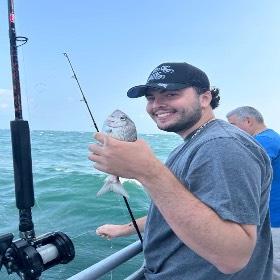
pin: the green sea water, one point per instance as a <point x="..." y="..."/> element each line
<point x="65" y="187"/>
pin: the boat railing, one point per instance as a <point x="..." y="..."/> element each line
<point x="108" y="264"/>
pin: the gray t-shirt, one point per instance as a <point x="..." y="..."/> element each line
<point x="228" y="171"/>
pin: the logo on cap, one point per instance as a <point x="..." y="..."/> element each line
<point x="162" y="85"/>
<point x="159" y="72"/>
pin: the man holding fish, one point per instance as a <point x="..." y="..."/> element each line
<point x="208" y="218"/>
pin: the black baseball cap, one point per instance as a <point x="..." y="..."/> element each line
<point x="172" y="76"/>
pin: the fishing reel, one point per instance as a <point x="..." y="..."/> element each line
<point x="30" y="258"/>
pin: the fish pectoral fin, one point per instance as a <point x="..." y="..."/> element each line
<point x="113" y="186"/>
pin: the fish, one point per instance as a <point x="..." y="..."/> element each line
<point x="119" y="126"/>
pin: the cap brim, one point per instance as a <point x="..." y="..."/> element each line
<point x="141" y="90"/>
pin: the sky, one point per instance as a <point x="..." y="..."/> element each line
<point x="114" y="45"/>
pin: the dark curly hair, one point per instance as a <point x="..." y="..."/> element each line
<point x="215" y="95"/>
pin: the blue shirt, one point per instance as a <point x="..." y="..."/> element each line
<point x="270" y="141"/>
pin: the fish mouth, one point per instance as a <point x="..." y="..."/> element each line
<point x="114" y="125"/>
<point x="110" y="128"/>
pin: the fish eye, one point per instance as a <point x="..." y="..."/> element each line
<point x="122" y="118"/>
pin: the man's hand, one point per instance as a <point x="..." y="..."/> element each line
<point x="131" y="160"/>
<point x="110" y="231"/>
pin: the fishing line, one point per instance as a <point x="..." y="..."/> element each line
<point x="111" y="272"/>
<point x="95" y="125"/>
<point x="82" y="234"/>
<point x="49" y="221"/>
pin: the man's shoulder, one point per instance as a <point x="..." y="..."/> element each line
<point x="221" y="129"/>
<point x="269" y="135"/>
<point x="224" y="136"/>
<point x="270" y="141"/>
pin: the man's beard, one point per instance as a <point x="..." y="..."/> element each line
<point x="186" y="122"/>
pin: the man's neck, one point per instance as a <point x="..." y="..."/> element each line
<point x="260" y="128"/>
<point x="201" y="122"/>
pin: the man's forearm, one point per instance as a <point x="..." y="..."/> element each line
<point x="140" y="223"/>
<point x="129" y="229"/>
<point x="110" y="231"/>
<point x="225" y="244"/>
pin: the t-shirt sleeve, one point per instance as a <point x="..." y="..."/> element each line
<point x="226" y="176"/>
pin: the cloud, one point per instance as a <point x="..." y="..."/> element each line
<point x="4" y="105"/>
<point x="6" y="99"/>
<point x="5" y="92"/>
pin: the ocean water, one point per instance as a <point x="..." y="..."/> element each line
<point x="65" y="184"/>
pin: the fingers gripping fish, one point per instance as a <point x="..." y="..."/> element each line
<point x="119" y="126"/>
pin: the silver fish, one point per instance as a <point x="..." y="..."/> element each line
<point x="119" y="126"/>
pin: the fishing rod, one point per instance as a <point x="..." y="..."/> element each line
<point x="95" y="125"/>
<point x="28" y="256"/>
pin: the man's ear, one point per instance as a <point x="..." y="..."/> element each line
<point x="249" y="121"/>
<point x="205" y="99"/>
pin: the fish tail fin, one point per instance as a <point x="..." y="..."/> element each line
<point x="112" y="184"/>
